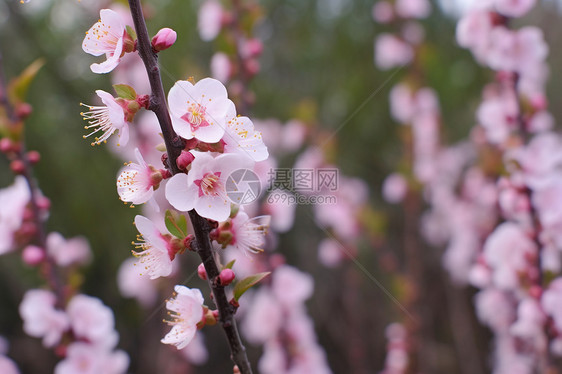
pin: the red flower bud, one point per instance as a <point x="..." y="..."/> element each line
<point x="226" y="277"/>
<point x="164" y="39"/>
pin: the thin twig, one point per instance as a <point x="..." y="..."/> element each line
<point x="174" y="146"/>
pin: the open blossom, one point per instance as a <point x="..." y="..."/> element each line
<point x="241" y="137"/>
<point x="83" y="358"/>
<point x="186" y="311"/>
<point x="209" y="20"/>
<point x="391" y="51"/>
<point x="154" y="257"/>
<point x="514" y="8"/>
<point x="41" y="319"/>
<point x="249" y="234"/>
<point x="13" y="200"/>
<point x="68" y="252"/>
<point x="106" y="118"/>
<point x="204" y="188"/>
<point x="105" y="37"/>
<point x="91" y="320"/>
<point x="8" y="366"/>
<point x="137" y="181"/>
<point x="199" y="111"/>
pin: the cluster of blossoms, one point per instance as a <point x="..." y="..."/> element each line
<point x="494" y="200"/>
<point x="78" y="327"/>
<point x="86" y="322"/>
<point x="217" y="142"/>
<point x="278" y="320"/>
<point x="416" y="108"/>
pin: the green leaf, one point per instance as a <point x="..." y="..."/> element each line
<point x="230" y="264"/>
<point x="176" y="223"/>
<point x="131" y="32"/>
<point x="124" y="91"/>
<point x="247" y="283"/>
<point x="18" y="88"/>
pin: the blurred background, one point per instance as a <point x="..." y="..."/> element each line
<point x="317" y="67"/>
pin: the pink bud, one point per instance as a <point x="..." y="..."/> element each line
<point x="17" y="166"/>
<point x="184" y="160"/>
<point x="33" y="157"/>
<point x="33" y="255"/>
<point x="5" y="145"/>
<point x="201" y="272"/>
<point x="43" y="203"/>
<point x="164" y="39"/>
<point x="23" y="110"/>
<point x="226" y="277"/>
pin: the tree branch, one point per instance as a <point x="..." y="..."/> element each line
<point x="174" y="146"/>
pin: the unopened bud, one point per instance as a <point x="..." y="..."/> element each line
<point x="202" y="272"/>
<point x="33" y="157"/>
<point x="43" y="203"/>
<point x="6" y="145"/>
<point x="226" y="277"/>
<point x="17" y="166"/>
<point x="129" y="43"/>
<point x="23" y="110"/>
<point x="33" y="255"/>
<point x="188" y="241"/>
<point x="164" y="39"/>
<point x="184" y="160"/>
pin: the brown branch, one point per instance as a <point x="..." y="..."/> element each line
<point x="174" y="146"/>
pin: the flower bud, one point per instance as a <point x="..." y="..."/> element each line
<point x="6" y="145"/>
<point x="33" y="157"/>
<point x="17" y="166"/>
<point x="226" y="277"/>
<point x="164" y="39"/>
<point x="129" y="42"/>
<point x="23" y="110"/>
<point x="184" y="160"/>
<point x="33" y="255"/>
<point x="202" y="272"/>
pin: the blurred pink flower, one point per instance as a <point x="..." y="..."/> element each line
<point x="413" y="8"/>
<point x="83" y="358"/>
<point x="221" y="67"/>
<point x="210" y="20"/>
<point x="394" y="188"/>
<point x="13" y="200"/>
<point x="132" y="284"/>
<point x="514" y="8"/>
<point x="91" y="320"/>
<point x="68" y="252"/>
<point x="7" y="366"/>
<point x="391" y="52"/>
<point x="41" y="319"/>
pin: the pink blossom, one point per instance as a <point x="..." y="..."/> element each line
<point x="391" y="52"/>
<point x="495" y="309"/>
<point x="107" y="118"/>
<point x="507" y="251"/>
<point x="518" y="51"/>
<point x="402" y="103"/>
<point x="383" y="12"/>
<point x="164" y="39"/>
<point x="249" y="234"/>
<point x="91" y="320"/>
<point x="83" y="358"/>
<point x="291" y="286"/>
<point x="68" y="252"/>
<point x="154" y="257"/>
<point x="498" y="116"/>
<point x="330" y="253"/>
<point x="41" y="319"/>
<point x="8" y="366"/>
<point x="530" y="322"/>
<point x="132" y="284"/>
<point x="241" y="137"/>
<point x="105" y="37"/>
<point x="136" y="181"/>
<point x="514" y="8"/>
<point x="473" y="32"/>
<point x="264" y="319"/>
<point x="541" y="121"/>
<point x="413" y="8"/>
<point x="203" y="189"/>
<point x="13" y="200"/>
<point x="209" y="20"/>
<point x="186" y="310"/>
<point x="294" y="135"/>
<point x="552" y="302"/>
<point x="199" y="110"/>
<point x="221" y="67"/>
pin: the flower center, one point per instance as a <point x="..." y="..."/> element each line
<point x="209" y="185"/>
<point x="196" y="116"/>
